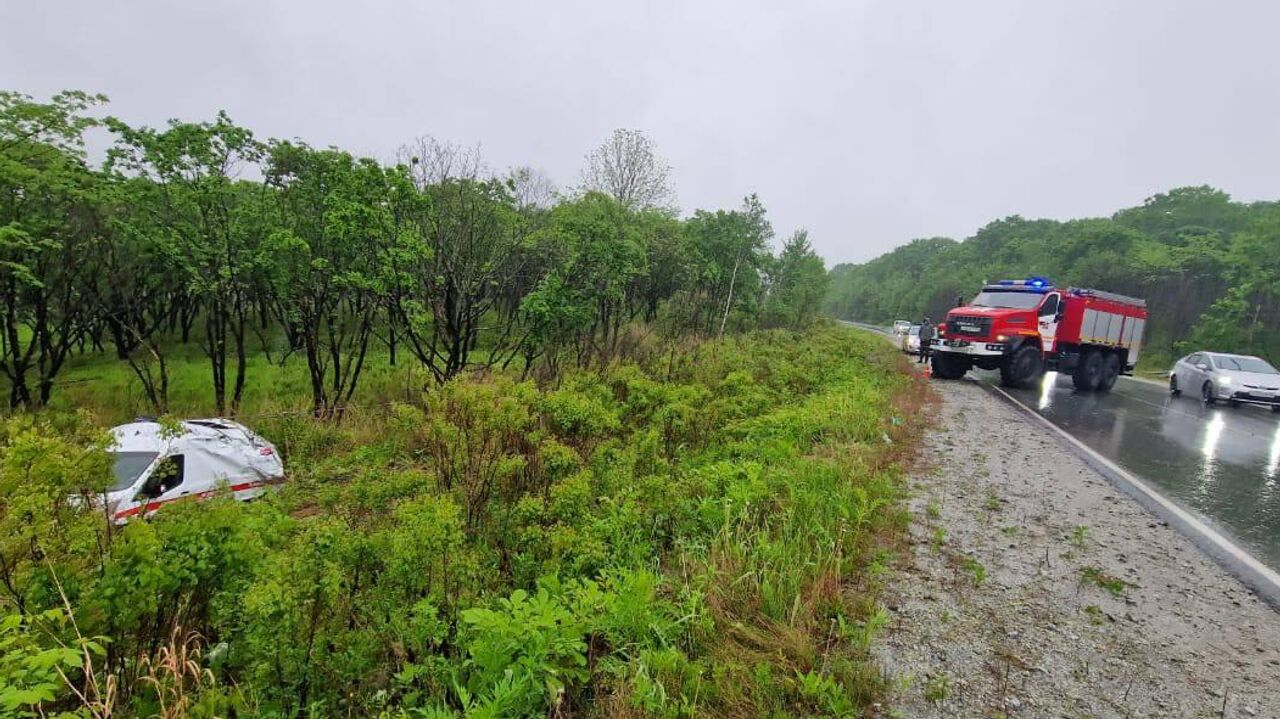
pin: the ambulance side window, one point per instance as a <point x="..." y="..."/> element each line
<point x="167" y="475"/>
<point x="1050" y="306"/>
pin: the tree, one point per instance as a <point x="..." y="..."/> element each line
<point x="1167" y="216"/>
<point x="201" y="225"/>
<point x="531" y="190"/>
<point x="797" y="284"/>
<point x="729" y="250"/>
<point x="587" y="294"/>
<point x="49" y="213"/>
<point x="328" y="260"/>
<point x="668" y="262"/>
<point x="465" y="242"/>
<point x="215" y="224"/>
<point x="140" y="285"/>
<point x="627" y="168"/>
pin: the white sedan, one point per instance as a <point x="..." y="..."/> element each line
<point x="1214" y="377"/>
<point x="911" y="341"/>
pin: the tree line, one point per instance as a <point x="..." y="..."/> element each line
<point x="201" y="232"/>
<point x="1208" y="267"/>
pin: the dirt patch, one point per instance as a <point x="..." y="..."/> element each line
<point x="1034" y="588"/>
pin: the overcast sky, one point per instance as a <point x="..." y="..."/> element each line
<point x="869" y="123"/>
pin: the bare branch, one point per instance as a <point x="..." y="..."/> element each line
<point x="628" y="168"/>
<point x="431" y="161"/>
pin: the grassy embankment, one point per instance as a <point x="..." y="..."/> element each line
<point x="702" y="533"/>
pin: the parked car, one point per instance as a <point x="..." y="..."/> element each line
<point x="155" y="465"/>
<point x="1214" y="377"/>
<point x="900" y="327"/>
<point x="911" y="340"/>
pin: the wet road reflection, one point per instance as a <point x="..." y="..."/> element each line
<point x="1222" y="462"/>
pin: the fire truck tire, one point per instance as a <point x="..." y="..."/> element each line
<point x="1022" y="368"/>
<point x="1088" y="372"/>
<point x="1110" y="372"/>
<point x="947" y="367"/>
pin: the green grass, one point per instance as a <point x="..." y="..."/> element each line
<point x="1095" y="576"/>
<point x="992" y="502"/>
<point x="938" y="540"/>
<point x="274" y="384"/>
<point x="937" y="688"/>
<point x="976" y="570"/>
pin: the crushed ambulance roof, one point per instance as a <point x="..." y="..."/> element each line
<point x="146" y="436"/>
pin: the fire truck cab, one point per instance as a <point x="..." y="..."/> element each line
<point x="1026" y="327"/>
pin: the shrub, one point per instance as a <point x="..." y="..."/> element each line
<point x="49" y="466"/>
<point x="524" y="654"/>
<point x="36" y="665"/>
<point x="674" y="539"/>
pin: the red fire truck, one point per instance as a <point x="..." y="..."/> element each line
<point x="1026" y="327"/>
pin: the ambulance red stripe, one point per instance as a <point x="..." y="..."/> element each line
<point x="153" y="506"/>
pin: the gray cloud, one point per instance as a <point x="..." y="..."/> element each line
<point x="869" y="123"/>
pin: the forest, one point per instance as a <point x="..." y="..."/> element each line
<point x="549" y="453"/>
<point x="1208" y="267"/>
<point x="200" y="233"/>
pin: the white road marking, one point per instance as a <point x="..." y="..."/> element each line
<point x="1146" y="380"/>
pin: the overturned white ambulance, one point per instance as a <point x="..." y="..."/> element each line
<point x="154" y="467"/>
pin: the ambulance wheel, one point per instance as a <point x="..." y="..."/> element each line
<point x="1022" y="368"/>
<point x="1173" y="386"/>
<point x="1110" y="372"/>
<point x="1088" y="374"/>
<point x="947" y="367"/>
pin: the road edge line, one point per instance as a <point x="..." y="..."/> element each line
<point x="1256" y="576"/>
<point x="1145" y="380"/>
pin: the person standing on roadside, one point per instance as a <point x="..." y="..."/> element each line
<point x="926" y="337"/>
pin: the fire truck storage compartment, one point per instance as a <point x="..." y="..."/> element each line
<point x="1102" y="322"/>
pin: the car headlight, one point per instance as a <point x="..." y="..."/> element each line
<point x="1224" y="380"/>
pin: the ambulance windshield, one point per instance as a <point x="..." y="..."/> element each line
<point x="129" y="466"/>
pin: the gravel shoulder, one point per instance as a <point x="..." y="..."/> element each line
<point x="1034" y="588"/>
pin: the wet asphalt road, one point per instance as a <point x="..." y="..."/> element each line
<point x="1222" y="462"/>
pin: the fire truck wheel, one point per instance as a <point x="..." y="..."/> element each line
<point x="947" y="367"/>
<point x="1110" y="372"/>
<point x="1089" y="372"/>
<point x="1022" y="369"/>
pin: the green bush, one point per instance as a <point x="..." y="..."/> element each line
<point x="673" y="540"/>
<point x="36" y="671"/>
